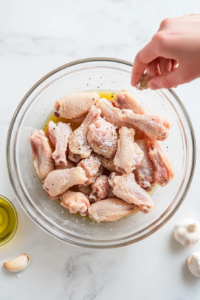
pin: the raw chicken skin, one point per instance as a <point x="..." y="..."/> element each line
<point x="59" y="134"/>
<point x="127" y="100"/>
<point x="102" y="137"/>
<point x="163" y="167"/>
<point x="126" y="188"/>
<point x="108" y="164"/>
<point x="77" y="141"/>
<point x="153" y="126"/>
<point x="144" y="174"/>
<point x="111" y="209"/>
<point x="42" y="154"/>
<point x="58" y="181"/>
<point x="100" y="189"/>
<point x="91" y="167"/>
<point x="111" y="113"/>
<point x="129" y="155"/>
<point x="75" y="202"/>
<point x="75" y="105"/>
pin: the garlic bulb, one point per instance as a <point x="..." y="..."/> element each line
<point x="193" y="263"/>
<point x="187" y="232"/>
<point x="17" y="264"/>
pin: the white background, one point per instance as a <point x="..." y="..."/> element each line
<point x="36" y="37"/>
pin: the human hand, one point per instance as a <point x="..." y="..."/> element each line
<point x="173" y="55"/>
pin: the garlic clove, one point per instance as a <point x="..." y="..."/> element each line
<point x="187" y="232"/>
<point x="17" y="264"/>
<point x="193" y="263"/>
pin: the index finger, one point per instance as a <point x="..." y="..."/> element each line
<point x="144" y="56"/>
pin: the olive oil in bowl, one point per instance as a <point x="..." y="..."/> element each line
<point x="8" y="220"/>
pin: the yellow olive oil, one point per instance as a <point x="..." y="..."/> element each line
<point x="109" y="95"/>
<point x="8" y="220"/>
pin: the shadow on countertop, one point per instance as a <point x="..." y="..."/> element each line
<point x="174" y="245"/>
<point x="188" y="278"/>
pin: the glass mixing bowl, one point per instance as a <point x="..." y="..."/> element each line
<point x="35" y="107"/>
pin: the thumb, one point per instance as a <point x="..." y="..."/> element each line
<point x="167" y="81"/>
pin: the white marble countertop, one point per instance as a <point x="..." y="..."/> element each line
<point x="36" y="37"/>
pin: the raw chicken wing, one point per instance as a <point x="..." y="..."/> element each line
<point x="111" y="113"/>
<point x="144" y="174"/>
<point x="102" y="137"/>
<point x="163" y="167"/>
<point x="126" y="188"/>
<point x="127" y="100"/>
<point x="129" y="155"/>
<point x="111" y="209"/>
<point x="78" y="144"/>
<point x="59" y="134"/>
<point x="91" y="167"/>
<point x="100" y="189"/>
<point x="75" y="202"/>
<point x="42" y="154"/>
<point x="75" y="105"/>
<point x="58" y="181"/>
<point x="153" y="126"/>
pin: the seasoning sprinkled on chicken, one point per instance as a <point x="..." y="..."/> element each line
<point x="91" y="166"/>
<point x="102" y="137"/>
<point x="114" y="156"/>
<point x="78" y="143"/>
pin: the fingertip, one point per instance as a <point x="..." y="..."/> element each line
<point x="134" y="78"/>
<point x="137" y="72"/>
<point x="133" y="82"/>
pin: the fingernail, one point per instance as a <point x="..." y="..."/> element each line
<point x="153" y="85"/>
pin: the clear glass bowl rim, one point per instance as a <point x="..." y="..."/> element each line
<point x="123" y="243"/>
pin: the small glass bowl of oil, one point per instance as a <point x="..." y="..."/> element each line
<point x="8" y="220"/>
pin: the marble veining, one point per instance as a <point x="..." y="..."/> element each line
<point x="36" y="37"/>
